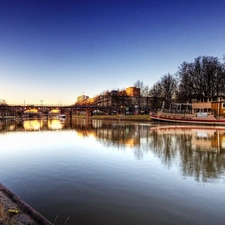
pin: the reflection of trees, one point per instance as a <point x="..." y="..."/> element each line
<point x="118" y="135"/>
<point x="202" y="165"/>
<point x="170" y="147"/>
<point x="164" y="146"/>
<point x="198" y="162"/>
<point x="11" y="125"/>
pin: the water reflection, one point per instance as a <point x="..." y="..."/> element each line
<point x="197" y="151"/>
<point x="32" y="125"/>
<point x="55" y="124"/>
<point x="200" y="149"/>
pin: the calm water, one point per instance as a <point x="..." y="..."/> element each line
<point x="114" y="172"/>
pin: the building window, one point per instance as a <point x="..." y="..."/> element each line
<point x="223" y="105"/>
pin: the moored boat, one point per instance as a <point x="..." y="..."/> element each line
<point x="204" y="113"/>
<point x="61" y="116"/>
<point x="56" y="114"/>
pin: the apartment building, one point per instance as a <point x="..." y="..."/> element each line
<point x="133" y="91"/>
<point x="82" y="98"/>
<point x="128" y="99"/>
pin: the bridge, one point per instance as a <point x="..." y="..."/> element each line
<point x="19" y="110"/>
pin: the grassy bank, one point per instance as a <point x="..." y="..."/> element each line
<point x="117" y="117"/>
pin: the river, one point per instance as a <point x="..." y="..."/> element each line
<point x="114" y="172"/>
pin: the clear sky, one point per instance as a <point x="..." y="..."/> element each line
<point x="57" y="50"/>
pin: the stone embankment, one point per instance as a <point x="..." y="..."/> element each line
<point x="14" y="211"/>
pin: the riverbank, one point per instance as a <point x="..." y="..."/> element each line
<point x="140" y="118"/>
<point x="14" y="211"/>
<point x="144" y="117"/>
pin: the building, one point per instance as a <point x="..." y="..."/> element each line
<point x="132" y="91"/>
<point x="124" y="101"/>
<point x="82" y="98"/>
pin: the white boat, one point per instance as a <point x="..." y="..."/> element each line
<point x="61" y="116"/>
<point x="56" y="114"/>
<point x="204" y="113"/>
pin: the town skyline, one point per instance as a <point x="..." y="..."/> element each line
<point x="55" y="51"/>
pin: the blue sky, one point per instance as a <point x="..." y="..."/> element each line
<point x="57" y="50"/>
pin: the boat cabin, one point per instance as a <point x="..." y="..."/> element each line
<point x="216" y="107"/>
<point x="181" y="106"/>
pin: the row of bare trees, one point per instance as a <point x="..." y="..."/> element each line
<point x="204" y="78"/>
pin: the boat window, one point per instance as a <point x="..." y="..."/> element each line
<point x="224" y="105"/>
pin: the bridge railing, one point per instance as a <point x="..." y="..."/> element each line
<point x="34" y="105"/>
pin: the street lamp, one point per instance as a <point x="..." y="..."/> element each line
<point x="2" y="101"/>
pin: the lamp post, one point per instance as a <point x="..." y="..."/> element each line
<point x="41" y="106"/>
<point x="2" y="101"/>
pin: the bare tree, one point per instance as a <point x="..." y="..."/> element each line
<point x="140" y="84"/>
<point x="168" y="87"/>
<point x="155" y="95"/>
<point x="204" y="78"/>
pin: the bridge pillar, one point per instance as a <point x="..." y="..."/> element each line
<point x="71" y="113"/>
<point x="88" y="114"/>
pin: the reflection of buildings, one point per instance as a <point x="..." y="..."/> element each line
<point x="191" y="148"/>
<point x="203" y="138"/>
<point x="97" y="123"/>
<point x="113" y="133"/>
<point x="132" y="142"/>
<point x="121" y="134"/>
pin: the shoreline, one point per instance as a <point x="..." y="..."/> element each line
<point x="141" y="118"/>
<point x="14" y="210"/>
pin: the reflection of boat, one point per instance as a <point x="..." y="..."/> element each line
<point x="202" y="137"/>
<point x="205" y="113"/>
